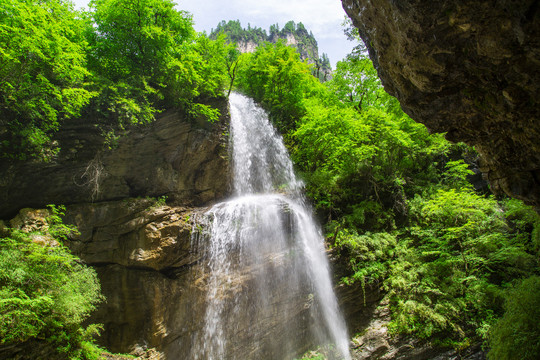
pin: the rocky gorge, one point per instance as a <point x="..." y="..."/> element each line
<point x="151" y="271"/>
<point x="150" y="266"/>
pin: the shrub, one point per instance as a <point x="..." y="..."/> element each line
<point x="45" y="293"/>
<point x="517" y="334"/>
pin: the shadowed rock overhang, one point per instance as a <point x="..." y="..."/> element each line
<point x="467" y="68"/>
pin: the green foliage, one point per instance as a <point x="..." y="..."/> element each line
<point x="121" y="64"/>
<point x="306" y="45"/>
<point x="137" y="38"/>
<point x="398" y="206"/>
<point x="124" y="102"/>
<point x="525" y="223"/>
<point x="146" y="56"/>
<point x="355" y="159"/>
<point x="236" y="33"/>
<point x="369" y="256"/>
<point x="461" y="252"/>
<point x="42" y="74"/>
<point x="355" y="81"/>
<point x="275" y="77"/>
<point x="57" y="228"/>
<point x="157" y="202"/>
<point x="517" y="334"/>
<point x="46" y="293"/>
<point x="456" y="173"/>
<point x="372" y="157"/>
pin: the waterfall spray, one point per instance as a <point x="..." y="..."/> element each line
<point x="266" y="273"/>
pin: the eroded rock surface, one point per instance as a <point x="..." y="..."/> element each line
<point x="184" y="160"/>
<point x="153" y="273"/>
<point x="137" y="233"/>
<point x="467" y="68"/>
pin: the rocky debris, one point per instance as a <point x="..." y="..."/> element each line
<point x="375" y="343"/>
<point x="467" y="68"/>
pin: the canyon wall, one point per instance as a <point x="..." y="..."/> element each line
<point x="140" y="247"/>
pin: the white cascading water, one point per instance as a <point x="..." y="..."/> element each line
<point x="269" y="290"/>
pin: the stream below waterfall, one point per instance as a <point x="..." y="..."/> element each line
<point x="267" y="281"/>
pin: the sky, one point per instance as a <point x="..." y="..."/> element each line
<point x="322" y="17"/>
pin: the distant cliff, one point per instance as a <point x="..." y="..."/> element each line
<point x="295" y="35"/>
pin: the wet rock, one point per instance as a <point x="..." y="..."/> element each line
<point x="467" y="68"/>
<point x="154" y="276"/>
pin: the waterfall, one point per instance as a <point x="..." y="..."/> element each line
<point x="268" y="288"/>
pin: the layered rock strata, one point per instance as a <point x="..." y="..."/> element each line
<point x="154" y="276"/>
<point x="184" y="160"/>
<point x="140" y="248"/>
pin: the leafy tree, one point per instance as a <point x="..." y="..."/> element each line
<point x="290" y="27"/>
<point x="146" y="57"/>
<point x="275" y="77"/>
<point x="232" y="59"/>
<point x="274" y="30"/>
<point x="361" y="163"/>
<point x="235" y="33"/>
<point x="322" y="68"/>
<point x="137" y="38"/>
<point x="355" y="81"/>
<point x="353" y="35"/>
<point x="462" y="251"/>
<point x="42" y="74"/>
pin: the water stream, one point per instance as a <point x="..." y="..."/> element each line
<point x="268" y="288"/>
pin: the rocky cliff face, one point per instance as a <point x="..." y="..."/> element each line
<point x="142" y="253"/>
<point x="153" y="274"/>
<point x="186" y="161"/>
<point x="307" y="52"/>
<point x="140" y="248"/>
<point x="467" y="68"/>
<point x="151" y="269"/>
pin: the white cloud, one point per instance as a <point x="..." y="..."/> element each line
<point x="322" y="17"/>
